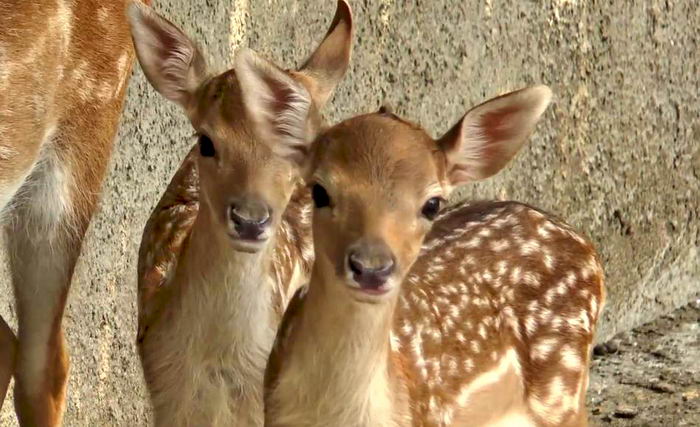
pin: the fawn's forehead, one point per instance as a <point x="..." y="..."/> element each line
<point x="221" y="115"/>
<point x="219" y="104"/>
<point x="378" y="149"/>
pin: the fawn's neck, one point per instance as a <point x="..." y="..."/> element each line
<point x="211" y="350"/>
<point x="228" y="287"/>
<point x="339" y="355"/>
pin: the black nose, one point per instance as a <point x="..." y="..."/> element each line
<point x="249" y="224"/>
<point x="368" y="274"/>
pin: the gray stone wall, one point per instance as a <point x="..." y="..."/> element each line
<point x="617" y="155"/>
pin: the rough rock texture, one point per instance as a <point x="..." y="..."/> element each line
<point x="617" y="154"/>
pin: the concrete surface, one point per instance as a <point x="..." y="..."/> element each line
<point x="617" y="155"/>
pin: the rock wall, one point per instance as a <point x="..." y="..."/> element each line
<point x="617" y="154"/>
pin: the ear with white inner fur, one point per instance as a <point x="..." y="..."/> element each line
<point x="490" y="134"/>
<point x="278" y="105"/>
<point x="169" y="59"/>
<point x="326" y="67"/>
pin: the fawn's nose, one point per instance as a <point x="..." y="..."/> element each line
<point x="250" y="218"/>
<point x="371" y="264"/>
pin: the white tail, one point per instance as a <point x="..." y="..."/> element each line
<point x="61" y="94"/>
<point x="489" y="321"/>
<point x="225" y="247"/>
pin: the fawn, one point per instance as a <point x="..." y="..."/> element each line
<point x="492" y="324"/>
<point x="64" y="67"/>
<point x="220" y="256"/>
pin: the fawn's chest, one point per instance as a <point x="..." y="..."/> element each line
<point x="206" y="356"/>
<point x="334" y="390"/>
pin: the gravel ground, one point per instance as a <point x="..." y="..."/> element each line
<point x="651" y="375"/>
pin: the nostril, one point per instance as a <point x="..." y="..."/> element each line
<point x="235" y="217"/>
<point x="240" y="219"/>
<point x="249" y="225"/>
<point x="355" y="265"/>
<point x="386" y="269"/>
<point x="265" y="220"/>
<point x="360" y="269"/>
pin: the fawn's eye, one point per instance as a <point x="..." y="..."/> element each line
<point x="206" y="146"/>
<point x="320" y="196"/>
<point x="431" y="208"/>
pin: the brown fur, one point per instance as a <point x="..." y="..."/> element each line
<point x="64" y="66"/>
<point x="209" y="304"/>
<point x="489" y="320"/>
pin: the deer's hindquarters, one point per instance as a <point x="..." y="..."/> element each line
<point x="61" y="93"/>
<point x="496" y="283"/>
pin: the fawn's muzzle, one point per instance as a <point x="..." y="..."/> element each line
<point x="371" y="264"/>
<point x="250" y="218"/>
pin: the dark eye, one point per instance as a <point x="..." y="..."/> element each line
<point x="320" y="196"/>
<point x="431" y="208"/>
<point x="206" y="146"/>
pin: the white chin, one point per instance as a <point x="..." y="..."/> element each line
<point x="249" y="246"/>
<point x="373" y="295"/>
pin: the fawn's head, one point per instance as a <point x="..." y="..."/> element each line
<point x="239" y="114"/>
<point x="379" y="181"/>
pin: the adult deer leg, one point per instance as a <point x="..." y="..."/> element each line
<point x="42" y="267"/>
<point x="44" y="237"/>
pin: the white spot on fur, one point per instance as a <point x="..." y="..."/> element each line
<point x="543" y="232"/>
<point x="407" y="329"/>
<point x="417" y="350"/>
<point x="484" y="232"/>
<point x="544" y="316"/>
<point x="472" y="243"/>
<point x="571" y="359"/>
<point x="509" y="361"/>
<point x="531" y="325"/>
<point x="556" y="403"/>
<point x="549" y="295"/>
<point x="502" y="268"/>
<point x="103" y="17"/>
<point x="548" y="260"/>
<point x="500" y="245"/>
<point x="515" y="275"/>
<point x="557" y="323"/>
<point x="531" y="278"/>
<point x="482" y="331"/>
<point x="530" y="247"/>
<point x="543" y="348"/>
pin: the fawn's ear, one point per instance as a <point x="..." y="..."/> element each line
<point x="169" y="59"/>
<point x="326" y="67"/>
<point x="278" y="105"/>
<point x="490" y="134"/>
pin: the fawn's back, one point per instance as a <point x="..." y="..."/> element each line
<point x="502" y="302"/>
